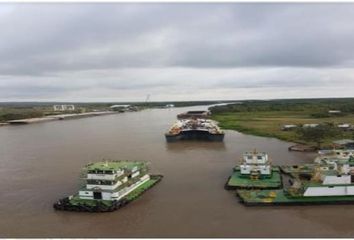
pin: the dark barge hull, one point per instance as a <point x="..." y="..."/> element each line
<point x="65" y="204"/>
<point x="195" y="135"/>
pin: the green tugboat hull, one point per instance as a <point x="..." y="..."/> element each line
<point x="278" y="197"/>
<point x="83" y="205"/>
<point x="238" y="181"/>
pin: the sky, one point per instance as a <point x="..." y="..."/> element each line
<point x="175" y="52"/>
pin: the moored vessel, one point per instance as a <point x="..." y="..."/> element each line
<point x="109" y="185"/>
<point x="335" y="155"/>
<point x="195" y="129"/>
<point x="255" y="171"/>
<point x="323" y="182"/>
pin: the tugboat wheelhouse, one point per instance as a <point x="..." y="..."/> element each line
<point x="112" y="180"/>
<point x="254" y="172"/>
<point x="256" y="164"/>
<point x="108" y="186"/>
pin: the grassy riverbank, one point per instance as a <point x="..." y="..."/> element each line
<point x="22" y="110"/>
<point x="266" y="118"/>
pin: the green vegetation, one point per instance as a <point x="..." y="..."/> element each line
<point x="318" y="134"/>
<point x="15" y="113"/>
<point x="266" y="118"/>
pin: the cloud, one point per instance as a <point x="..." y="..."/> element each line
<point x="179" y="83"/>
<point x="98" y="51"/>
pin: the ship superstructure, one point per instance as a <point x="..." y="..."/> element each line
<point x="256" y="165"/>
<point x="199" y="128"/>
<point x="254" y="172"/>
<point x="108" y="185"/>
<point x="113" y="180"/>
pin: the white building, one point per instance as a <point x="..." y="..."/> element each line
<point x="287" y="127"/>
<point x="334" y="111"/>
<point x="311" y="125"/>
<point x="121" y="107"/>
<point x="63" y="107"/>
<point x="344" y="126"/>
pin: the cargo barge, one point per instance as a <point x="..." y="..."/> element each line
<point x="194" y="114"/>
<point x="109" y="186"/>
<point x="254" y="172"/>
<point x="195" y="129"/>
<point x="326" y="181"/>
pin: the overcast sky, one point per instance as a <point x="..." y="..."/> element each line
<point x="122" y="52"/>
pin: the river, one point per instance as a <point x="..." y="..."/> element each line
<point x="40" y="163"/>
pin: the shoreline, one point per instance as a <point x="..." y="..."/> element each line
<point x="57" y="117"/>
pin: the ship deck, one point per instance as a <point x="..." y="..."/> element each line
<point x="278" y="197"/>
<point x="237" y="181"/>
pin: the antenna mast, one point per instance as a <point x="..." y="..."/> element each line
<point x="147" y="98"/>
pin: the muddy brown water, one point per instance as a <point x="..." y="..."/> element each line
<point x="40" y="163"/>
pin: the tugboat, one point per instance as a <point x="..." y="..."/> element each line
<point x="200" y="129"/>
<point x="254" y="172"/>
<point x="109" y="185"/>
<point x="327" y="182"/>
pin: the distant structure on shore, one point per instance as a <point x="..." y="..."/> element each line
<point x="334" y="111"/>
<point x="123" y="108"/>
<point x="169" y="106"/>
<point x="63" y="107"/>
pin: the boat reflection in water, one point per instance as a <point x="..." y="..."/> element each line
<point x="195" y="145"/>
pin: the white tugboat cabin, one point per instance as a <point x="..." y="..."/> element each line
<point x="255" y="163"/>
<point x="112" y="180"/>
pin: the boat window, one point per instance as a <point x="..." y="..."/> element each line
<point x="259" y="157"/>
